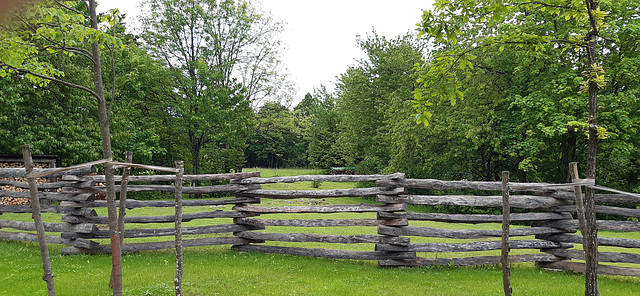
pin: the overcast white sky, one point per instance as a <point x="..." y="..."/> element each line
<point x="320" y="36"/>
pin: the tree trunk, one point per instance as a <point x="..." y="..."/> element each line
<point x="106" y="154"/>
<point x="37" y="218"/>
<point x="591" y="231"/>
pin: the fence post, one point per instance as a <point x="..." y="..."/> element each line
<point x="122" y="205"/>
<point x="178" y="224"/>
<point x="251" y="214"/>
<point x="392" y="219"/>
<point x="37" y="218"/>
<point x="506" y="222"/>
<point x="577" y="190"/>
<point x="76" y="214"/>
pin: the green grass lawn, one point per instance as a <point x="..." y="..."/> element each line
<point x="218" y="270"/>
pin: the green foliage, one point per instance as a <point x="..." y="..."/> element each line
<point x="321" y="130"/>
<point x="519" y="67"/>
<point x="463" y="29"/>
<point x="223" y="68"/>
<point x="366" y="92"/>
<point x="277" y="140"/>
<point x="56" y="119"/>
<point x="52" y="119"/>
<point x="46" y="28"/>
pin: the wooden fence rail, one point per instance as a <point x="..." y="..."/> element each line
<point x="395" y="232"/>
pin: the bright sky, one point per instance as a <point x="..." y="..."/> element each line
<point x="320" y="36"/>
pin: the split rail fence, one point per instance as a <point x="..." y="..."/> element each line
<point x="394" y="234"/>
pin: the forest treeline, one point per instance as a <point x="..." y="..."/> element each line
<point x="523" y="110"/>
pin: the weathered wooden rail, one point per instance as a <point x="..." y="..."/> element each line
<point x="397" y="235"/>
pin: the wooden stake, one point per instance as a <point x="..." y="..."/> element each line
<point x="178" y="223"/>
<point x="506" y="221"/>
<point x="573" y="170"/>
<point x="37" y="218"/>
<point x="122" y="210"/>
<point x="122" y="205"/>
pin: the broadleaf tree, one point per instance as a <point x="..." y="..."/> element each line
<point x="489" y="24"/>
<point x="68" y="28"/>
<point x="223" y="56"/>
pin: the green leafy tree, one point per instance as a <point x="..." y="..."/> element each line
<point x="365" y="93"/>
<point x="221" y="55"/>
<point x="322" y="129"/>
<point x="53" y="27"/>
<point x="571" y="26"/>
<point x="277" y="139"/>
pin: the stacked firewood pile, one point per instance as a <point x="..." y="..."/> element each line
<point x="7" y="200"/>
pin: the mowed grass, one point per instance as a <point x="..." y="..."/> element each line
<point x="218" y="270"/>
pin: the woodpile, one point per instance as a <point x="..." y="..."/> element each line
<point x="14" y="201"/>
<point x="6" y="186"/>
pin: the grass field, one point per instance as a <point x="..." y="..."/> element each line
<point x="217" y="270"/>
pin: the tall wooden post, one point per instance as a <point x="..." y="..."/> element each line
<point x="506" y="221"/>
<point x="122" y="205"/>
<point x="577" y="190"/>
<point x="178" y="224"/>
<point x="122" y="212"/>
<point x="37" y="218"/>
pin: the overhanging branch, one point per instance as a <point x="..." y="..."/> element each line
<point x="66" y="83"/>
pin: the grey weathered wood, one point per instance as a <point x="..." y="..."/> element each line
<point x="30" y="237"/>
<point x="21" y="173"/>
<point x="572" y="225"/>
<point x="57" y="196"/>
<point x="307" y="222"/>
<point x="602" y="256"/>
<point x="137" y="247"/>
<point x="37" y="219"/>
<point x="624" y="212"/>
<point x="50" y="227"/>
<point x="505" y="246"/>
<point x="433" y="184"/>
<point x="122" y="203"/>
<point x="602" y="269"/>
<point x="615" y="199"/>
<point x="50" y="209"/>
<point x="325" y="253"/>
<point x="322" y="209"/>
<point x="25" y="185"/>
<point x="178" y="227"/>
<point x="131" y="203"/>
<point x="602" y="241"/>
<point x="158" y="219"/>
<point x="321" y="238"/>
<point x="232" y="188"/>
<point x="321" y="178"/>
<point x="517" y="201"/>
<point x="474" y="219"/>
<point x="468" y="261"/>
<point x="461" y="234"/>
<point x="473" y="247"/>
<point x="329" y="193"/>
<point x="209" y="229"/>
<point x="167" y="178"/>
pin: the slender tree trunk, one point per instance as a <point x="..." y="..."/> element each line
<point x="591" y="231"/>
<point x="37" y="218"/>
<point x="106" y="154"/>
